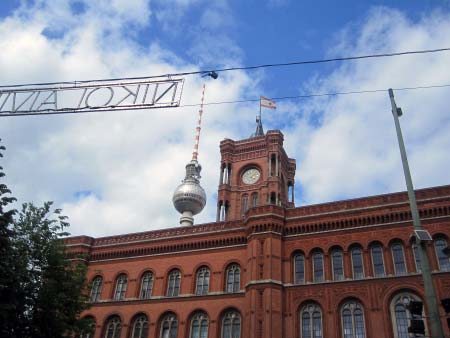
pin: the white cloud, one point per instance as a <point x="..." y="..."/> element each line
<point x="354" y="150"/>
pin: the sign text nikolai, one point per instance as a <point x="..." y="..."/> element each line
<point x="86" y="97"/>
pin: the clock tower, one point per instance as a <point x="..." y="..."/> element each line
<point x="254" y="172"/>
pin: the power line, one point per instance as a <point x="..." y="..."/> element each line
<point x="269" y="65"/>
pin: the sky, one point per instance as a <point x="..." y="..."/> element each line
<point x="115" y="172"/>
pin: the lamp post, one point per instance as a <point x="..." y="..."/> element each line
<point x="430" y="296"/>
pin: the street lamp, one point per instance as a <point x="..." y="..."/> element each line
<point x="430" y="296"/>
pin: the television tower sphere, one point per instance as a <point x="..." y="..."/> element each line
<point x="189" y="197"/>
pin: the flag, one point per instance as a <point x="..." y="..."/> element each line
<point x="267" y="103"/>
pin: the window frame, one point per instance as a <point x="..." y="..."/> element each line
<point x="200" y="317"/>
<point x="399" y="299"/>
<point x="235" y="316"/>
<point x="235" y="267"/>
<point x="322" y="278"/>
<point x="96" y="289"/>
<point x="352" y="306"/>
<point x="361" y="254"/>
<point x="206" y="276"/>
<point x="116" y="333"/>
<point x="296" y="280"/>
<point x="441" y="256"/>
<point x="372" y="247"/>
<point x="172" y="321"/>
<point x="120" y="290"/>
<point x="146" y="293"/>
<point x="341" y="255"/>
<point x="144" y="329"/>
<point x="400" y="245"/>
<point x="312" y="309"/>
<point x="173" y="283"/>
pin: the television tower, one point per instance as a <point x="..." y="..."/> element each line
<point x="189" y="197"/>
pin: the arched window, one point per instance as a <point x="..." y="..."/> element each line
<point x="113" y="327"/>
<point x="338" y="264"/>
<point x="244" y="204"/>
<point x="121" y="287"/>
<point x="254" y="199"/>
<point x="146" y="285"/>
<point x="96" y="289"/>
<point x="400" y="315"/>
<point x="202" y="285"/>
<point x="233" y="278"/>
<point x="352" y="320"/>
<point x="357" y="263"/>
<point x="231" y="325"/>
<point x="416" y="253"/>
<point x="439" y="245"/>
<point x="311" y="322"/>
<point x="139" y="327"/>
<point x="173" y="283"/>
<point x="199" y="326"/>
<point x="318" y="267"/>
<point x="377" y="260"/>
<point x="90" y="331"/>
<point x="398" y="258"/>
<point x="169" y="326"/>
<point x="299" y="268"/>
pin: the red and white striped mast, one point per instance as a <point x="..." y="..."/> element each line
<point x="189" y="197"/>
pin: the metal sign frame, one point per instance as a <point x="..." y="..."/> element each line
<point x="90" y="96"/>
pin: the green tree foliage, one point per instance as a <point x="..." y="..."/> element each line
<point x="42" y="291"/>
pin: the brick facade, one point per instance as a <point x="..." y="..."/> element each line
<point x="264" y="241"/>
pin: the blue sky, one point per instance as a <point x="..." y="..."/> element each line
<point x="115" y="172"/>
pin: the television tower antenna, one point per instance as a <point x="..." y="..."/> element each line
<point x="189" y="197"/>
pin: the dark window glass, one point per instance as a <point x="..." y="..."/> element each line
<point x="254" y="199"/>
<point x="121" y="287"/>
<point x="96" y="289"/>
<point x="440" y="244"/>
<point x="299" y="268"/>
<point x="318" y="267"/>
<point x="417" y="257"/>
<point x="244" y="204"/>
<point x="357" y="263"/>
<point x="338" y="264"/>
<point x="146" y="285"/>
<point x="113" y="327"/>
<point x="400" y="315"/>
<point x="311" y="321"/>
<point x="173" y="286"/>
<point x="231" y="325"/>
<point x="377" y="260"/>
<point x="202" y="281"/>
<point x="140" y="327"/>
<point x="169" y="327"/>
<point x="399" y="259"/>
<point x="199" y="326"/>
<point x="233" y="278"/>
<point x="352" y="318"/>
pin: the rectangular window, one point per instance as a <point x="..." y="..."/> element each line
<point x="318" y="267"/>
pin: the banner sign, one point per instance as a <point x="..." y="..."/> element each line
<point x="90" y="96"/>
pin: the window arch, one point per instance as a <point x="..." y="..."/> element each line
<point x="173" y="283"/>
<point x="317" y="266"/>
<point x="254" y="201"/>
<point x="352" y="320"/>
<point x="139" y="328"/>
<point x="398" y="257"/>
<point x="202" y="281"/>
<point x="169" y="326"/>
<point x="439" y="245"/>
<point x="299" y="268"/>
<point x="233" y="278"/>
<point x="357" y="263"/>
<point x="231" y="325"/>
<point x="311" y="321"/>
<point x="244" y="204"/>
<point x="199" y="325"/>
<point x="146" y="285"/>
<point x="113" y="327"/>
<point x="90" y="331"/>
<point x="121" y="287"/>
<point x="96" y="289"/>
<point x="400" y="315"/>
<point x="376" y="251"/>
<point x="337" y="264"/>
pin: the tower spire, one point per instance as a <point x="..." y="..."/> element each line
<point x="189" y="197"/>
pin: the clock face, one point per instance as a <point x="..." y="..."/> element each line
<point x="251" y="176"/>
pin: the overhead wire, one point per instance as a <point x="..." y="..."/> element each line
<point x="220" y="70"/>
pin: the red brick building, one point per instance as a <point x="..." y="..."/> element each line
<point x="267" y="269"/>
